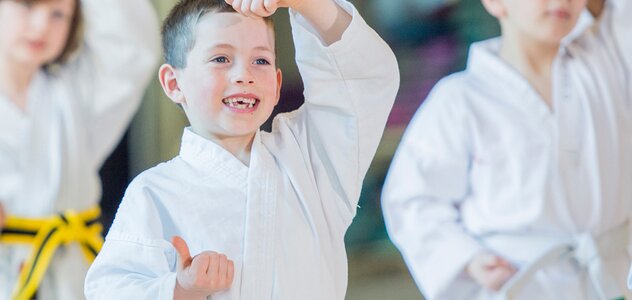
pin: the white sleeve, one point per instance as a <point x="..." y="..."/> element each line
<point x="113" y="67"/>
<point x="350" y="87"/>
<point x="427" y="181"/>
<point x="130" y="268"/>
<point x="136" y="262"/>
<point x="620" y="14"/>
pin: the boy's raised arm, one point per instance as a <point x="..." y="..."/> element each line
<point x="327" y="18"/>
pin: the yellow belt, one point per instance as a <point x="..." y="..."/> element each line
<point x="46" y="235"/>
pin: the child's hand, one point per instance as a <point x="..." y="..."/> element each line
<point x="3" y="217"/>
<point x="200" y="276"/>
<point x="261" y="8"/>
<point x="490" y="271"/>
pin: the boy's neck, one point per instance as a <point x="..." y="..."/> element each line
<point x="534" y="60"/>
<point x="528" y="55"/>
<point x="238" y="146"/>
<point x="15" y="80"/>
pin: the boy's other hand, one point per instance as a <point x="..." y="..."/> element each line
<point x="261" y="8"/>
<point x="202" y="275"/>
<point x="490" y="271"/>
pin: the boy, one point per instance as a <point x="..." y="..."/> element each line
<point x="275" y="205"/>
<point x="66" y="99"/>
<point x="513" y="180"/>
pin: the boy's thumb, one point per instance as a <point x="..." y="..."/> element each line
<point x="183" y="250"/>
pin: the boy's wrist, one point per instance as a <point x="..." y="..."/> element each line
<point x="298" y="5"/>
<point x="180" y="293"/>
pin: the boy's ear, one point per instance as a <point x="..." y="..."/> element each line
<point x="495" y="8"/>
<point x="278" y="88"/>
<point x="169" y="83"/>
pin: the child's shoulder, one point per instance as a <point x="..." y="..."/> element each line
<point x="454" y="88"/>
<point x="485" y="72"/>
<point x="164" y="176"/>
<point x="150" y="196"/>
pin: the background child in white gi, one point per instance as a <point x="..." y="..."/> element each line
<point x="522" y="156"/>
<point x="277" y="204"/>
<point x="61" y="113"/>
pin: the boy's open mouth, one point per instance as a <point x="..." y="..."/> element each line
<point x="240" y="102"/>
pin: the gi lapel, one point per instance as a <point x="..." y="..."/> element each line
<point x="258" y="272"/>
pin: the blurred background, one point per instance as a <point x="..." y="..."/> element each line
<point x="430" y="39"/>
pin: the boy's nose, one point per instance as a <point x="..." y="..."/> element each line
<point x="242" y="75"/>
<point x="249" y="81"/>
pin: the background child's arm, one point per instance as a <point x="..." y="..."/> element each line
<point x="427" y="183"/>
<point x="490" y="271"/>
<point x="119" y="52"/>
<point x="595" y="7"/>
<point x="621" y="18"/>
<point x="2" y="215"/>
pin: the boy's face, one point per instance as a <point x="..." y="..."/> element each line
<point x="543" y="20"/>
<point x="34" y="33"/>
<point x="230" y="84"/>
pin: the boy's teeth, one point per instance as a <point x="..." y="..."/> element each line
<point x="240" y="102"/>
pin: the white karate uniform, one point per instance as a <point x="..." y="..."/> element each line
<point x="283" y="219"/>
<point x="485" y="165"/>
<point x="50" y="154"/>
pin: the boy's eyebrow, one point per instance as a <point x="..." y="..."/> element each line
<point x="231" y="47"/>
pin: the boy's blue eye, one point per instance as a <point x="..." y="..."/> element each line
<point x="262" y="61"/>
<point x="220" y="59"/>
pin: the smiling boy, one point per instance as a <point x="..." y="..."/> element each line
<point x="275" y="205"/>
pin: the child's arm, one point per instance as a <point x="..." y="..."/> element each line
<point x="350" y="77"/>
<point x="325" y="16"/>
<point x="426" y="186"/>
<point x="137" y="261"/>
<point x="490" y="271"/>
<point x="620" y="15"/>
<point x="114" y="65"/>
<point x="2" y="215"/>
<point x="595" y="7"/>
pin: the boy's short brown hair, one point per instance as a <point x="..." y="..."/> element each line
<point x="178" y="29"/>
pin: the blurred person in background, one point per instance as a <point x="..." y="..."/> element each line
<point x="68" y="90"/>
<point x="513" y="179"/>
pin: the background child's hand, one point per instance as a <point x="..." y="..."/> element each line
<point x="261" y="8"/>
<point x="200" y="276"/>
<point x="3" y="217"/>
<point x="490" y="271"/>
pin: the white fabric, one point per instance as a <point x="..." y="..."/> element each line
<point x="283" y="219"/>
<point x="484" y="155"/>
<point x="586" y="250"/>
<point x="51" y="153"/>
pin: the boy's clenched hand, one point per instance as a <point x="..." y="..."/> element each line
<point x="261" y="8"/>
<point x="200" y="276"/>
